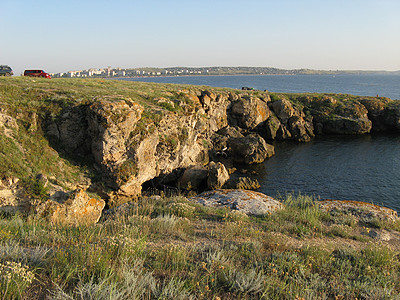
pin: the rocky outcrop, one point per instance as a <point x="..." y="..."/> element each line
<point x="248" y="112"/>
<point x="250" y="149"/>
<point x="350" y="118"/>
<point x="248" y="202"/>
<point x="74" y="208"/>
<point x="362" y="210"/>
<point x="217" y="175"/>
<point x="12" y="197"/>
<point x="289" y="122"/>
<point x="131" y="145"/>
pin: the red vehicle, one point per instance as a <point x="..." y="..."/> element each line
<point x="37" y="73"/>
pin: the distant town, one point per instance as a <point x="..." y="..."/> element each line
<point x="198" y="71"/>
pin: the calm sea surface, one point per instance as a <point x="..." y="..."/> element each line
<point x="362" y="85"/>
<point x="364" y="168"/>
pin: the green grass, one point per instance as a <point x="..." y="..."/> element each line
<point x="169" y="248"/>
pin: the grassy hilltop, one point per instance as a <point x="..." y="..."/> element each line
<point x="168" y="247"/>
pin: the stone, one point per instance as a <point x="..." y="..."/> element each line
<point x="271" y="127"/>
<point x="12" y="197"/>
<point x="250" y="149"/>
<point x="283" y="109"/>
<point x="364" y="211"/>
<point x="217" y="175"/>
<point x="249" y="112"/>
<point x="76" y="208"/>
<point x="300" y="129"/>
<point x="248" y="202"/>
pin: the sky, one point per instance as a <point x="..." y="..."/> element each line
<point x="60" y="35"/>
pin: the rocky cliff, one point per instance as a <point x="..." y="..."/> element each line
<point x="233" y="127"/>
<point x="152" y="138"/>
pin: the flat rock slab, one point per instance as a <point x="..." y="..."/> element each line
<point x="363" y="210"/>
<point x="248" y="202"/>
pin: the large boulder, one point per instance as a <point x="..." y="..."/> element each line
<point x="249" y="112"/>
<point x="250" y="149"/>
<point x="248" y="202"/>
<point x="217" y="175"/>
<point x="74" y="208"/>
<point x="291" y="123"/>
<point x="300" y="129"/>
<point x="271" y="127"/>
<point x="283" y="109"/>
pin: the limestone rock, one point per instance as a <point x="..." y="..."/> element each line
<point x="249" y="112"/>
<point x="283" y="109"/>
<point x="12" y="198"/>
<point x="248" y="202"/>
<point x="110" y="123"/>
<point x="7" y="123"/>
<point x="217" y="175"/>
<point x="271" y="127"/>
<point x="300" y="129"/>
<point x="362" y="210"/>
<point x="77" y="208"/>
<point x="250" y="149"/>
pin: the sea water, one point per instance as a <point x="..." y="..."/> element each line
<point x="361" y="168"/>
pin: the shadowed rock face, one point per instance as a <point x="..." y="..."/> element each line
<point x="248" y="202"/>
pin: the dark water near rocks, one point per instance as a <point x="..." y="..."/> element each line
<point x="362" y="168"/>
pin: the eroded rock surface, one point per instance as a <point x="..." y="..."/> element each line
<point x="248" y="202"/>
<point x="74" y="208"/>
<point x="12" y="197"/>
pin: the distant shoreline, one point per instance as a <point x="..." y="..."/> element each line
<point x="316" y="74"/>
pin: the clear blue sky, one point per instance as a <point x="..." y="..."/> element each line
<point x="62" y="35"/>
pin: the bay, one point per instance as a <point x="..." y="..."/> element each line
<point x="361" y="85"/>
<point x="361" y="168"/>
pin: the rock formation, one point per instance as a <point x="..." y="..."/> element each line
<point x="74" y="208"/>
<point x="248" y="202"/>
<point x="133" y="145"/>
